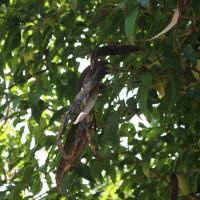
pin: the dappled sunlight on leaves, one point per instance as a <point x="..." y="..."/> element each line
<point x="145" y="140"/>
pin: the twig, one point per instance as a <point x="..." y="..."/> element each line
<point x="27" y="78"/>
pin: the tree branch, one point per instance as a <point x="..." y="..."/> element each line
<point x="27" y="78"/>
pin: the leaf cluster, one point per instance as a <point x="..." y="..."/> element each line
<point x="41" y="43"/>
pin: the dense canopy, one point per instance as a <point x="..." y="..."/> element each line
<point x="147" y="139"/>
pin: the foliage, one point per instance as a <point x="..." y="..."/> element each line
<point x="40" y="44"/>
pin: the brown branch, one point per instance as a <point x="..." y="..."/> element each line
<point x="87" y="82"/>
<point x="174" y="185"/>
<point x="187" y="34"/>
<point x="27" y="78"/>
<point x="189" y="18"/>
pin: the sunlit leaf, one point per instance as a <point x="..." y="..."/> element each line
<point x="183" y="184"/>
<point x="28" y="55"/>
<point x="196" y="72"/>
<point x="44" y="47"/>
<point x="159" y="87"/>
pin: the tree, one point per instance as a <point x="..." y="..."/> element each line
<point x="41" y="45"/>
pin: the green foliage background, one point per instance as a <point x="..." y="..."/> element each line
<point x="40" y="42"/>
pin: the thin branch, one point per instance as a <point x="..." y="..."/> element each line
<point x="27" y="78"/>
<point x="187" y="34"/>
<point x="189" y="18"/>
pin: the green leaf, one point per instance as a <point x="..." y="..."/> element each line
<point x="28" y="55"/>
<point x="73" y="5"/>
<point x="57" y="115"/>
<point x="2" y="87"/>
<point x="130" y="24"/>
<point x="48" y="179"/>
<point x="145" y="168"/>
<point x="16" y="101"/>
<point x="3" y="28"/>
<point x="173" y="86"/>
<point x="37" y="39"/>
<point x="38" y="132"/>
<point x="132" y="103"/>
<point x="188" y="50"/>
<point x="144" y="3"/>
<point x="85" y="173"/>
<point x="104" y="155"/>
<point x="13" y="39"/>
<point x="37" y="186"/>
<point x="27" y="173"/>
<point x="183" y="184"/>
<point x="152" y="133"/>
<point x="111" y="132"/>
<point x="16" y="193"/>
<point x="112" y="173"/>
<point x="123" y="4"/>
<point x="37" y="111"/>
<point x="69" y="22"/>
<point x="1" y="64"/>
<point x="146" y="79"/>
<point x="67" y="183"/>
<point x="95" y="169"/>
<point x="34" y="98"/>
<point x="112" y="24"/>
<point x="195" y="94"/>
<point x="142" y="95"/>
<point x="169" y="139"/>
<point x="125" y="186"/>
<point x="196" y="6"/>
<point x="146" y="159"/>
<point x="2" y="195"/>
<point x="41" y="42"/>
